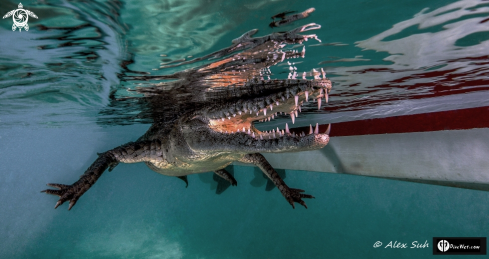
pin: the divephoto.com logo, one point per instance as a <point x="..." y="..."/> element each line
<point x="459" y="246"/>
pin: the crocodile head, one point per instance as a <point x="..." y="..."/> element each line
<point x="237" y="117"/>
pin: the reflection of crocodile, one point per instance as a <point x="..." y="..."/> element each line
<point x="219" y="129"/>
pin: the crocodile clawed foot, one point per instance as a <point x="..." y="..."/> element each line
<point x="65" y="192"/>
<point x="233" y="181"/>
<point x="296" y="195"/>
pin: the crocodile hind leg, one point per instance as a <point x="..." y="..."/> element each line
<point x="290" y="194"/>
<point x="131" y="152"/>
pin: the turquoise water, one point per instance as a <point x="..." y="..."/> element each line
<point x="59" y="80"/>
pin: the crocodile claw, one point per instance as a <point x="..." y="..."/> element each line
<point x="65" y="192"/>
<point x="296" y="195"/>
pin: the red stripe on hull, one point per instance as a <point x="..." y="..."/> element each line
<point x="447" y="120"/>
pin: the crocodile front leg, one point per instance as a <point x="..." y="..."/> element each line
<point x="128" y="153"/>
<point x="76" y="190"/>
<point x="290" y="194"/>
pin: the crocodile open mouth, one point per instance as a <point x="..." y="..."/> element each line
<point x="240" y="116"/>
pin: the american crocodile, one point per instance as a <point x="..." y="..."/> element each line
<point x="228" y="96"/>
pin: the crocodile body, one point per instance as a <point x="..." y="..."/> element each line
<point x="220" y="130"/>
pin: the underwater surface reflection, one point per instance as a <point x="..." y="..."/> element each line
<point x="76" y="58"/>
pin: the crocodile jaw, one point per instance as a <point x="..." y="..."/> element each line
<point x="243" y="120"/>
<point x="237" y="130"/>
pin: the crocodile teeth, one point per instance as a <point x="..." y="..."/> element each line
<point x="273" y="117"/>
<point x="293" y="117"/>
<point x="328" y="129"/>
<point x="323" y="73"/>
<point x="265" y="111"/>
<point x="326" y="97"/>
<point x="307" y="95"/>
<point x="253" y="135"/>
<point x="296" y="98"/>
<point x="239" y="112"/>
<point x="304" y="75"/>
<point x="249" y="132"/>
<point x="319" y="103"/>
<point x="287" y="128"/>
<point x="271" y="107"/>
<point x="278" y="130"/>
<point x="296" y="114"/>
<point x="268" y="118"/>
<point x="277" y="103"/>
<point x="222" y="119"/>
<point x="229" y="118"/>
<point x="310" y="129"/>
<point x="316" y="130"/>
<point x="244" y="129"/>
<point x="300" y="109"/>
<point x="234" y="115"/>
<point x="238" y="131"/>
